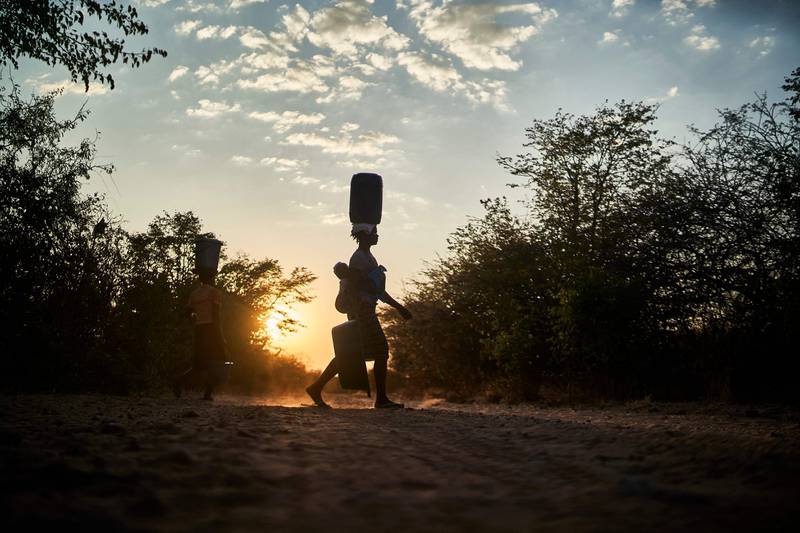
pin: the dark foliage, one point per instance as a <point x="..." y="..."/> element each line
<point x="59" y="32"/>
<point x="641" y="267"/>
<point x="86" y="305"/>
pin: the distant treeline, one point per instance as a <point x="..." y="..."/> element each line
<point x="641" y="267"/>
<point x="86" y="305"/>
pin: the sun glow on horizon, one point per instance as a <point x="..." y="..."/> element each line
<point x="274" y="325"/>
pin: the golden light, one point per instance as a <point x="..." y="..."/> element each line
<point x="271" y="328"/>
<point x="272" y="321"/>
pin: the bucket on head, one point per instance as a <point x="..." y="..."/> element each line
<point x="206" y="254"/>
<point x="366" y="198"/>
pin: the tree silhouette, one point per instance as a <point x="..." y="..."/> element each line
<point x="57" y="32"/>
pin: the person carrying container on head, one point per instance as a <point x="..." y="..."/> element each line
<point x="363" y="284"/>
<point x="205" y="307"/>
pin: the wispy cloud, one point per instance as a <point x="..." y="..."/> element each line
<point x="238" y="4"/>
<point x="370" y="144"/>
<point x="305" y="180"/>
<point x="241" y="160"/>
<point x="680" y="11"/>
<point x="762" y="44"/>
<point x="215" y="32"/>
<point x="178" y="72"/>
<point x="186" y="27"/>
<point x="700" y="41"/>
<point x="619" y="8"/>
<point x="439" y="75"/>
<point x="283" y="122"/>
<point x="471" y="31"/>
<point x="209" y="109"/>
<point x="349" y="88"/>
<point x="300" y="78"/>
<point x="349" y="25"/>
<point x="670" y="94"/>
<point x="609" y="37"/>
<point x="67" y="87"/>
<point x="334" y="219"/>
<point x="283" y="164"/>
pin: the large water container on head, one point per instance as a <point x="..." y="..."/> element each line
<point x="366" y="198"/>
<point x="206" y="254"/>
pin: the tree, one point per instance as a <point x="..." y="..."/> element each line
<point x="151" y="323"/>
<point x="61" y="256"/>
<point x="585" y="172"/>
<point x="57" y="32"/>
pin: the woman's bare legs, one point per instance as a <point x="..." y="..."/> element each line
<point x="315" y="389"/>
<point x="380" y="371"/>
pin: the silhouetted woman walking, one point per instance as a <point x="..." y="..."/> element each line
<point x="366" y="286"/>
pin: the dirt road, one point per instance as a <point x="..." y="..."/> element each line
<point x="133" y="464"/>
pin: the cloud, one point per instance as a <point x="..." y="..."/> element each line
<point x="178" y="72"/>
<point x="371" y="144"/>
<point x="700" y="41"/>
<point x="288" y="119"/>
<point x="186" y="150"/>
<point x="763" y="44"/>
<point x="186" y="27"/>
<point x="209" y="109"/>
<point x="380" y="62"/>
<point x="349" y="88"/>
<point x="438" y="75"/>
<point x="360" y="165"/>
<point x="333" y="187"/>
<point x="67" y="87"/>
<point x="210" y="74"/>
<point x="671" y="93"/>
<point x="211" y="32"/>
<point x="283" y="165"/>
<point x="609" y="37"/>
<point x="471" y="32"/>
<point x="349" y="25"/>
<point x="195" y="6"/>
<point x="241" y="160"/>
<point x="407" y="198"/>
<point x="334" y="219"/>
<point x="493" y="92"/>
<point x="305" y="181"/>
<point x="263" y="61"/>
<point x="441" y="77"/>
<point x="296" y="22"/>
<point x="237" y="4"/>
<point x="620" y="8"/>
<point x="300" y="78"/>
<point x="679" y="11"/>
<point x="253" y="38"/>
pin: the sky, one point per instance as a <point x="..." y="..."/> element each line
<point x="263" y="110"/>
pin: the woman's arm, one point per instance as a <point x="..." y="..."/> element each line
<point x="405" y="313"/>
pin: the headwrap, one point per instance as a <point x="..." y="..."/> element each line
<point x="362" y="227"/>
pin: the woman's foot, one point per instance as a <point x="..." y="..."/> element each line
<point x="388" y="404"/>
<point x="316" y="396"/>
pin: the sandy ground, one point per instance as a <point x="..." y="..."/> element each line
<point x="133" y="464"/>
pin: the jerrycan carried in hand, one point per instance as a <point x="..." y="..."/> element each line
<point x="366" y="198"/>
<point x="349" y="357"/>
<point x="206" y="253"/>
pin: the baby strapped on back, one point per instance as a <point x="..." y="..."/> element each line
<point x="354" y="286"/>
